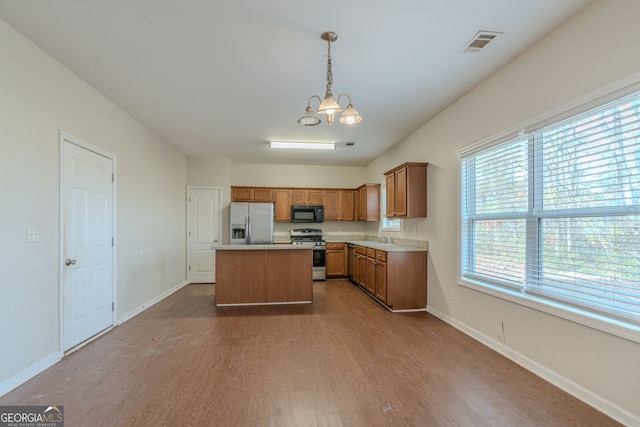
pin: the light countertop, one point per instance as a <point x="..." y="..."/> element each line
<point x="390" y="247"/>
<point x="262" y="247"/>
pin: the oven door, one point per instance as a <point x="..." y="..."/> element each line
<point x="319" y="263"/>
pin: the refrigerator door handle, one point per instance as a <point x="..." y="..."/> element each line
<point x="248" y="225"/>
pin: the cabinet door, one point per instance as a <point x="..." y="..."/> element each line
<point x="315" y="197"/>
<point x="362" y="267"/>
<point x="299" y="197"/>
<point x="391" y="195"/>
<point x="347" y="209"/>
<point x="362" y="203"/>
<point x="335" y="263"/>
<point x="263" y="194"/>
<point x="331" y="207"/>
<point x="401" y="192"/>
<point x="370" y="282"/>
<point x="282" y="205"/>
<point x="242" y="194"/>
<point x="381" y="281"/>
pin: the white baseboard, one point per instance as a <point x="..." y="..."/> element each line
<point x="30" y="372"/>
<point x="614" y="411"/>
<point x="52" y="359"/>
<point x="133" y="313"/>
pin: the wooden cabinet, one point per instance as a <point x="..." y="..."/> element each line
<point x="398" y="279"/>
<point x="307" y="196"/>
<point x="407" y="191"/>
<point x="368" y="202"/>
<point x="336" y="260"/>
<point x="360" y="264"/>
<point x="251" y="194"/>
<point x="361" y="204"/>
<point x="370" y="279"/>
<point x="263" y="276"/>
<point x="282" y="198"/>
<point x="338" y="205"/>
<point x="381" y="276"/>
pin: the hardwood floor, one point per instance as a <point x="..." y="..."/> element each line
<point x="342" y="361"/>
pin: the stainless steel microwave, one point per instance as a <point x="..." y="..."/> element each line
<point x="307" y="213"/>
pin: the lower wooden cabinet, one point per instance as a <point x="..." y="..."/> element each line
<point x="336" y="260"/>
<point x="398" y="279"/>
<point x="360" y="265"/>
<point x="255" y="276"/>
<point x="381" y="276"/>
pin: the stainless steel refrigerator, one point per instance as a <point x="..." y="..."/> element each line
<point x="250" y="223"/>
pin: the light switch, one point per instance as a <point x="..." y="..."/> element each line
<point x="33" y="235"/>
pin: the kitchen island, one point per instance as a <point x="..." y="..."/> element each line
<point x="264" y="274"/>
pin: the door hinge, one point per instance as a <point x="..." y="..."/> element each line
<point x="112" y="240"/>
<point x="189" y="268"/>
<point x="113" y="178"/>
<point x="113" y="306"/>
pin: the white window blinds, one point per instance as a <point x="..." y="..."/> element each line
<point x="556" y="212"/>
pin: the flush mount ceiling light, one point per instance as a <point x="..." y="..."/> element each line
<point x="303" y="145"/>
<point x="329" y="106"/>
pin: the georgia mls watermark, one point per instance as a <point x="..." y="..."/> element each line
<point x="32" y="416"/>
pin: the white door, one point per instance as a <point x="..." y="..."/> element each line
<point x="87" y="246"/>
<point x="203" y="233"/>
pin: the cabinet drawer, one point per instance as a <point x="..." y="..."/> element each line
<point x="381" y="256"/>
<point x="333" y="245"/>
<point x="371" y="253"/>
<point x="360" y="250"/>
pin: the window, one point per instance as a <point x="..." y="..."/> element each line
<point x="387" y="224"/>
<point x="555" y="212"/>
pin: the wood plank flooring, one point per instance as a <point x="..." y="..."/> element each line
<point x="342" y="361"/>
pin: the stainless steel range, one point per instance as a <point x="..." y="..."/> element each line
<point x="313" y="235"/>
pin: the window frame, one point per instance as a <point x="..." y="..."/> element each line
<point x="602" y="322"/>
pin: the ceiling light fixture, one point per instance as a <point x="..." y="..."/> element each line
<point x="303" y="145"/>
<point x="329" y="106"/>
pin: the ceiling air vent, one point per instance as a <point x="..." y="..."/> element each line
<point x="479" y="41"/>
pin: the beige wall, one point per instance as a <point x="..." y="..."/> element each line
<point x="588" y="55"/>
<point x="39" y="99"/>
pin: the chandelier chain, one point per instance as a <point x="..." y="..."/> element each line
<point x="329" y="70"/>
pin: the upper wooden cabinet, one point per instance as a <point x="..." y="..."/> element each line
<point x="308" y="196"/>
<point x="282" y="198"/>
<point x="367" y="203"/>
<point x="338" y="205"/>
<point x="407" y="191"/>
<point x="251" y="194"/>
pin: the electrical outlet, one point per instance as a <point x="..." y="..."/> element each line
<point x="453" y="294"/>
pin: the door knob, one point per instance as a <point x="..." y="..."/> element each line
<point x="69" y="261"/>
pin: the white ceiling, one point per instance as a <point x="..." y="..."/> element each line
<point x="223" y="77"/>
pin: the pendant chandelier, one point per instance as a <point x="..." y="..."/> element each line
<point x="329" y="106"/>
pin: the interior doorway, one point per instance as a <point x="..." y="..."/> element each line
<point x="87" y="241"/>
<point x="203" y="233"/>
